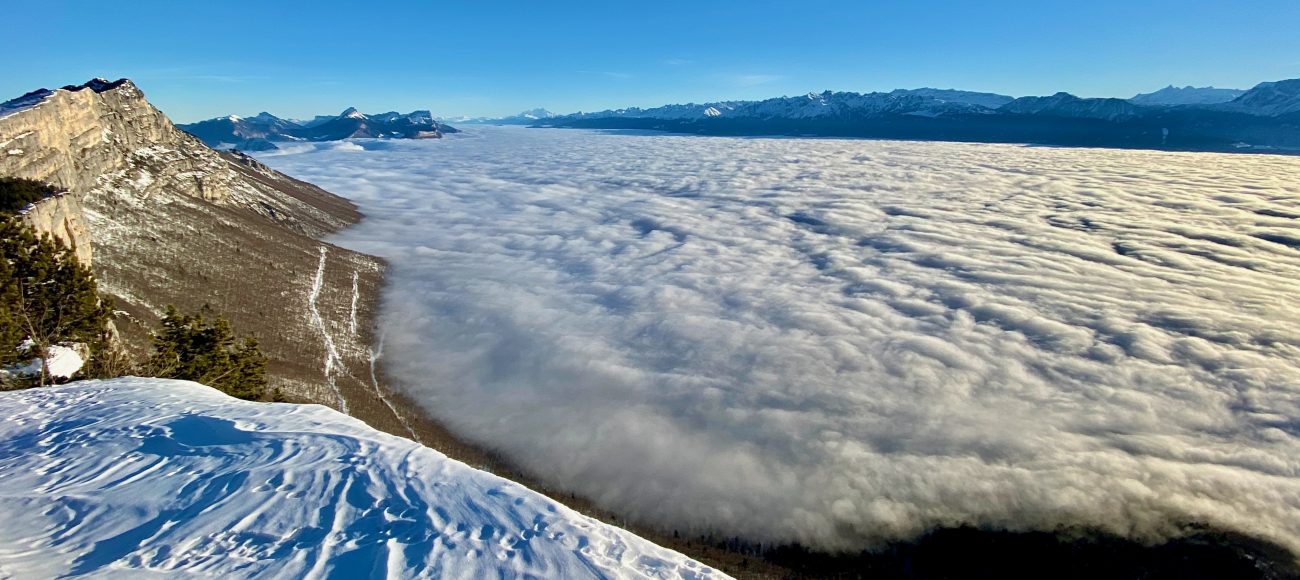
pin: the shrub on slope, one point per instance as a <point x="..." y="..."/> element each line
<point x="192" y="348"/>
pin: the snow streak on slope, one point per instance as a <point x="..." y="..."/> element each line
<point x="842" y="341"/>
<point x="333" y="363"/>
<point x="139" y="477"/>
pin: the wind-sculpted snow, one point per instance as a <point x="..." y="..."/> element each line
<point x="135" y="478"/>
<point x="839" y="342"/>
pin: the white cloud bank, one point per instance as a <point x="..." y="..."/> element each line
<point x="839" y="342"/>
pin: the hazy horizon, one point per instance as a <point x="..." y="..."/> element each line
<point x="198" y="61"/>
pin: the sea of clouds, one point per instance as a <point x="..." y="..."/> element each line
<point x="840" y="342"/>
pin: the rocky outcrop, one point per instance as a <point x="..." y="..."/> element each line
<point x="61" y="216"/>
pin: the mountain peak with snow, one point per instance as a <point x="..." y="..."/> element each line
<point x="1188" y="95"/>
<point x="262" y="131"/>
<point x="1066" y="105"/>
<point x="538" y="113"/>
<point x="1270" y="98"/>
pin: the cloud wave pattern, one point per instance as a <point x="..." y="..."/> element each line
<point x="842" y="342"/>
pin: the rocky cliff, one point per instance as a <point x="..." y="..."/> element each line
<point x="174" y="222"/>
<point x="84" y="137"/>
<point x="62" y="217"/>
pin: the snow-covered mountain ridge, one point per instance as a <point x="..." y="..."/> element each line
<point x="145" y="477"/>
<point x="1263" y="118"/>
<point x="260" y="132"/>
<point x="828" y="104"/>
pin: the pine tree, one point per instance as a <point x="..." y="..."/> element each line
<point x="189" y="347"/>
<point x="47" y="297"/>
<point x="16" y="193"/>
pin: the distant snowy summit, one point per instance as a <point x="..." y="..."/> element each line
<point x="1262" y="118"/>
<point x="262" y="131"/>
<point x="132" y="478"/>
<point x="528" y="117"/>
<point x="1171" y="95"/>
<point x="1273" y="99"/>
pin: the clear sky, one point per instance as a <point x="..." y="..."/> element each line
<point x="199" y="59"/>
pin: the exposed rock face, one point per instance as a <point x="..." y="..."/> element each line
<point x="83" y="137"/>
<point x="62" y="217"/>
<point x="174" y="222"/>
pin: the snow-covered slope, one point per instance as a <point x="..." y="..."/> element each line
<point x="1070" y="106"/>
<point x="138" y="478"/>
<point x="1271" y="99"/>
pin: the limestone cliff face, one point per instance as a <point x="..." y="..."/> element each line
<point x="62" y="216"/>
<point x="84" y="137"/>
<point x="174" y="222"/>
<point x="105" y="139"/>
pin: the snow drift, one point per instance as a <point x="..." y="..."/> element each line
<point x="839" y="342"/>
<point x="139" y="477"/>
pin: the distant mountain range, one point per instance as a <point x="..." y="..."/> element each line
<point x="528" y="117"/>
<point x="262" y="131"/>
<point x="1266" y="118"/>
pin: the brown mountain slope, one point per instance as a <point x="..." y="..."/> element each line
<point x="174" y="222"/>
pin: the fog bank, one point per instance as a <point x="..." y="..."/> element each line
<point x="839" y="342"/>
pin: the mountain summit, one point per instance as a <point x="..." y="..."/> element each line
<point x="1171" y="96"/>
<point x="523" y="118"/>
<point x="1270" y="99"/>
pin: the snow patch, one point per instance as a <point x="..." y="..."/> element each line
<point x="333" y="362"/>
<point x="64" y="362"/>
<point x="356" y="294"/>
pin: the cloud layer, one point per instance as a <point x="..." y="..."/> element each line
<point x="839" y="342"/>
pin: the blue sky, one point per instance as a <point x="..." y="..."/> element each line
<point x="203" y="59"/>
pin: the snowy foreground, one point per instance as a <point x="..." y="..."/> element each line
<point x="139" y="477"/>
